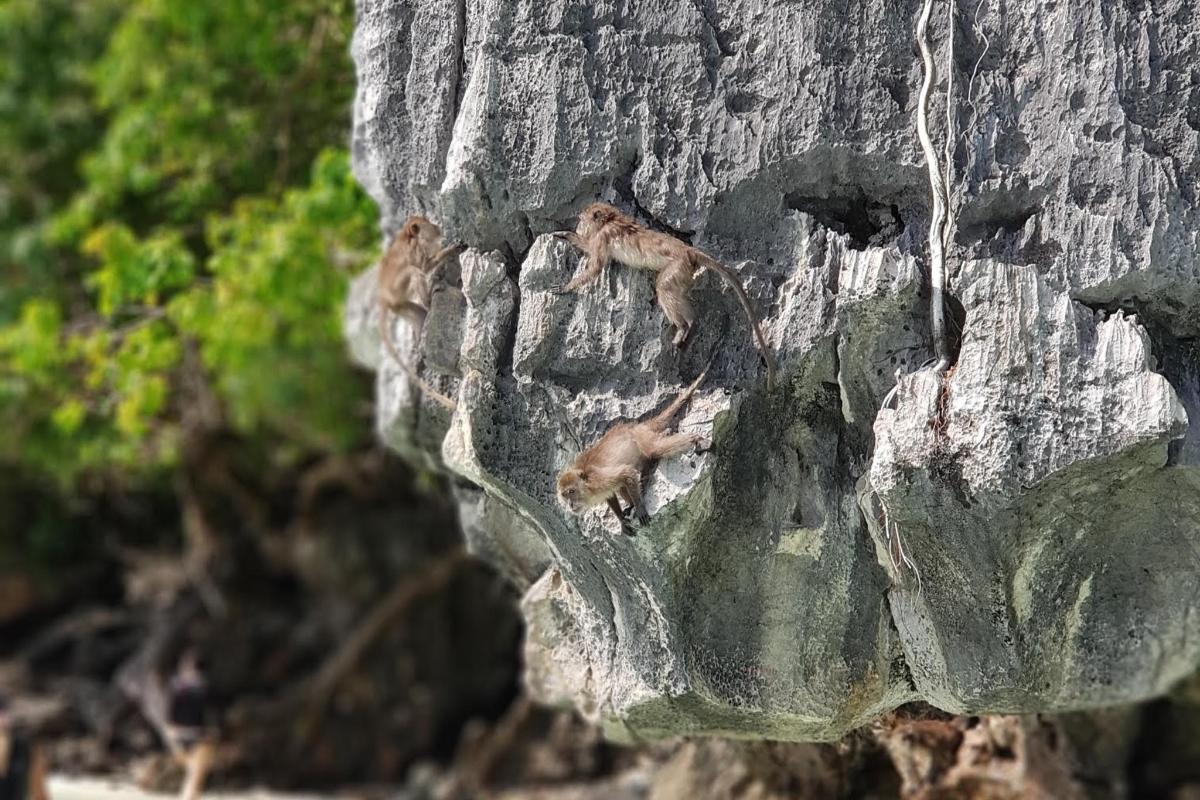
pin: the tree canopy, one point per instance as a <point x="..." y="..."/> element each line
<point x="178" y="221"/>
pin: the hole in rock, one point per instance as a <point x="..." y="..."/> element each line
<point x="956" y="320"/>
<point x="984" y="218"/>
<point x="867" y="222"/>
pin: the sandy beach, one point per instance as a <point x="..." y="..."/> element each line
<point x="98" y="789"/>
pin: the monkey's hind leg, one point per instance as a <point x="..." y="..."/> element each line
<point x="671" y="444"/>
<point x="673" y="286"/>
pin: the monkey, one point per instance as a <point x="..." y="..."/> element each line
<point x="406" y="276"/>
<point x="612" y="469"/>
<point x="604" y="234"/>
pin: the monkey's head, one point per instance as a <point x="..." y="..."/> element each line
<point x="422" y="232"/>
<point x="572" y="492"/>
<point x="595" y="217"/>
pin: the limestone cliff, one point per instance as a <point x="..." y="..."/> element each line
<point x="1046" y="491"/>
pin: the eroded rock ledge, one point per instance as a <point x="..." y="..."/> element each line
<point x="1047" y="491"/>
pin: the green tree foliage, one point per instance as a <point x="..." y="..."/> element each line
<point x="273" y="309"/>
<point x="176" y="232"/>
<point x="48" y="120"/>
<point x="211" y="101"/>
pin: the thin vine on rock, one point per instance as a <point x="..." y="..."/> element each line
<point x="941" y="226"/>
<point x="939" y="222"/>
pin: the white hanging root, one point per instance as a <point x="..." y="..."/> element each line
<point x="937" y="185"/>
<point x="948" y="175"/>
<point x="973" y="118"/>
<point x="895" y="547"/>
<point x="940" y="228"/>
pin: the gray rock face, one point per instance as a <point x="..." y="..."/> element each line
<point x="1045" y="494"/>
<point x="1055" y="549"/>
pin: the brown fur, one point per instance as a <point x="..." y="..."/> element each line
<point x="611" y="470"/>
<point x="406" y="277"/>
<point x="604" y="234"/>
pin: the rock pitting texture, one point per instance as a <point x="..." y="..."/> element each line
<point x="1047" y="490"/>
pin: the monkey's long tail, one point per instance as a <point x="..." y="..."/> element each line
<point x="385" y="331"/>
<point x="663" y="419"/>
<point x="708" y="262"/>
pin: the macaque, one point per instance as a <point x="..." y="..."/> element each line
<point x="22" y="762"/>
<point x="605" y="234"/>
<point x="406" y="278"/>
<point x="187" y="728"/>
<point x="611" y="470"/>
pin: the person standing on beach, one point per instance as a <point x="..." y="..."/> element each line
<point x="22" y="761"/>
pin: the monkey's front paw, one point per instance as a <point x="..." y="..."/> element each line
<point x="703" y="444"/>
<point x="628" y="528"/>
<point x="561" y="290"/>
